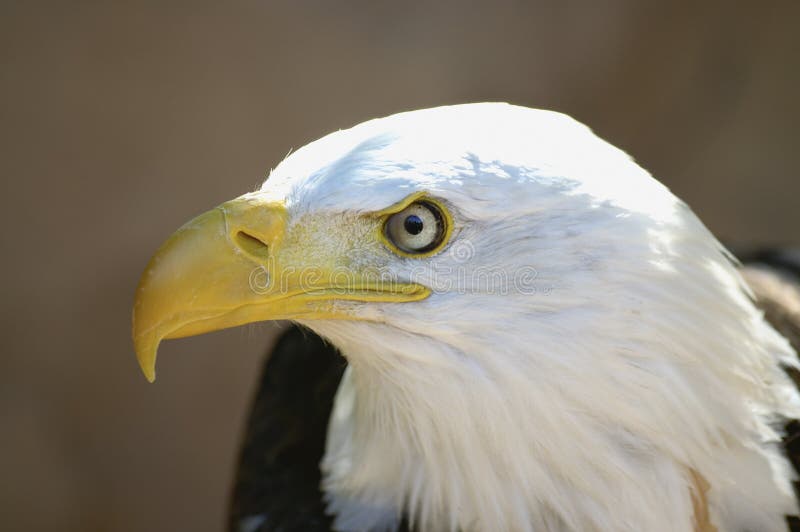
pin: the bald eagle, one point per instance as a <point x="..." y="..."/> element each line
<point x="531" y="334"/>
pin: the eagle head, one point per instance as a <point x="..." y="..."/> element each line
<point x="539" y="335"/>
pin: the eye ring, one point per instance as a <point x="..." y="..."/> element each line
<point x="420" y="229"/>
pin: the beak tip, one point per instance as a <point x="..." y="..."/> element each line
<point x="149" y="374"/>
<point x="146" y="355"/>
<point x="148" y="368"/>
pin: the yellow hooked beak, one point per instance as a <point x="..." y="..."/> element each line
<point x="227" y="267"/>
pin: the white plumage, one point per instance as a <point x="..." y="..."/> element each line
<point x="588" y="348"/>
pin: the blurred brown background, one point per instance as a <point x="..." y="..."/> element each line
<point x="120" y="121"/>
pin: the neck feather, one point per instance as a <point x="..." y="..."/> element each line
<point x="467" y="443"/>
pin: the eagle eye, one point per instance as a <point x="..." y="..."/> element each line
<point x="417" y="229"/>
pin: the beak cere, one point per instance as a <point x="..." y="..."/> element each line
<point x="225" y="268"/>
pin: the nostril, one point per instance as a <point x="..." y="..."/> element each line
<point x="252" y="245"/>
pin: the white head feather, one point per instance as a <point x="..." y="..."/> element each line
<point x="588" y="344"/>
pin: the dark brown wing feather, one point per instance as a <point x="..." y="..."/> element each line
<point x="277" y="481"/>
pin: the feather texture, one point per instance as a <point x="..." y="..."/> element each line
<point x="592" y="394"/>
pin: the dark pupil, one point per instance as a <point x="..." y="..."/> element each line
<point x="413" y="224"/>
